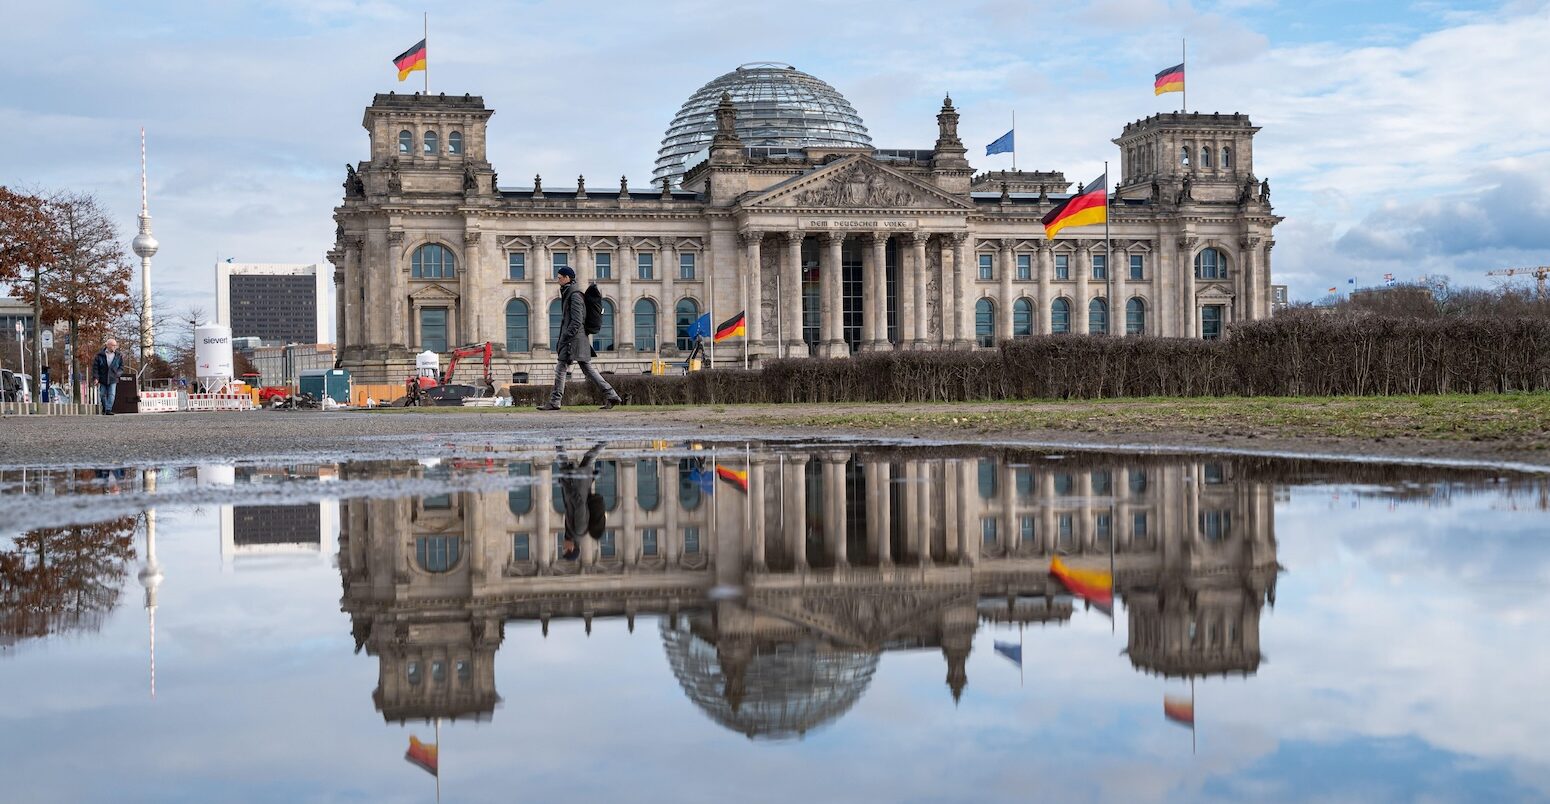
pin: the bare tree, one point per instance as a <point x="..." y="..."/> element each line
<point x="28" y="245"/>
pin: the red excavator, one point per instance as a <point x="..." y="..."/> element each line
<point x="426" y="390"/>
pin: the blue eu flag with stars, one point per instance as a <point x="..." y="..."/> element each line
<point x="1002" y="145"/>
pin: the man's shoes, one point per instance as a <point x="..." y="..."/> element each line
<point x="609" y="404"/>
<point x="107" y="413"/>
<point x="549" y="407"/>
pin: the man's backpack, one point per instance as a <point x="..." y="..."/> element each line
<point x="593" y="322"/>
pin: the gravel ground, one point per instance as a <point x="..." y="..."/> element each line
<point x="157" y="439"/>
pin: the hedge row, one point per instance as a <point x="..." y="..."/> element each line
<point x="1289" y="355"/>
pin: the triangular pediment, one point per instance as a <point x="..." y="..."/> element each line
<point x="432" y="293"/>
<point x="1214" y="293"/>
<point x="855" y="183"/>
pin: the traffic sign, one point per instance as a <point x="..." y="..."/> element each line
<point x="48" y="339"/>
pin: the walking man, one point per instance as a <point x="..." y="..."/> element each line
<point x="573" y="345"/>
<point x="106" y="368"/>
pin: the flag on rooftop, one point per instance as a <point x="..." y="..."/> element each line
<point x="1351" y="281"/>
<point x="1087" y="207"/>
<point x="410" y="60"/>
<point x="1169" y="80"/>
<point x="422" y="755"/>
<point x="1002" y="145"/>
<point x="1010" y="651"/>
<point x="1332" y="290"/>
<point x="734" y="327"/>
<point x="1179" y="710"/>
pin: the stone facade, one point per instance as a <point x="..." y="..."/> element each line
<point x="836" y="556"/>
<point x="830" y="251"/>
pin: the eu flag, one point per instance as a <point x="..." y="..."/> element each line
<point x="700" y="328"/>
<point x="1002" y="145"/>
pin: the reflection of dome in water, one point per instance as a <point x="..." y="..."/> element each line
<point x="777" y="106"/>
<point x="786" y="689"/>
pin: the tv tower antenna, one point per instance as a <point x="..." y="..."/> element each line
<point x="145" y="246"/>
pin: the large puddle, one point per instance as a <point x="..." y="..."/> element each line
<point x="774" y="622"/>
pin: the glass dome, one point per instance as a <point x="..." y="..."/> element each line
<point x="777" y="105"/>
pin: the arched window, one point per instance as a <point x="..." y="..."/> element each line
<point x="1022" y="318"/>
<point x="1226" y="157"/>
<point x="689" y="477"/>
<point x="648" y="484"/>
<point x="1184" y="156"/>
<point x="554" y="325"/>
<point x="1210" y="264"/>
<point x="985" y="322"/>
<point x="437" y="553"/>
<point x="646" y="325"/>
<point x="1097" y="317"/>
<point x="405" y="142"/>
<point x="686" y="313"/>
<point x="431" y="144"/>
<point x="603" y="341"/>
<point x="1060" y="316"/>
<point x="520" y="498"/>
<point x="1205" y="156"/>
<point x="516" y="326"/>
<point x="433" y="261"/>
<point x="455" y="142"/>
<point x="1135" y="317"/>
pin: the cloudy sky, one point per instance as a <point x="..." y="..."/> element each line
<point x="1405" y="138"/>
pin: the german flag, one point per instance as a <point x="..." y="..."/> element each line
<point x="1179" y="710"/>
<point x="1169" y="80"/>
<point x="410" y="60"/>
<point x="733" y="476"/>
<point x="423" y="756"/>
<point x="1089" y="206"/>
<point x="733" y="327"/>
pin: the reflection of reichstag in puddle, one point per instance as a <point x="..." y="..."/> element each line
<point x="834" y="557"/>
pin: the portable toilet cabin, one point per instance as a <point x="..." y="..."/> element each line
<point x="333" y="383"/>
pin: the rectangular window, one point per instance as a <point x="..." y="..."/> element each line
<point x="1100" y="266"/>
<point x="559" y="259"/>
<point x="519" y="547"/>
<point x="1103" y="525"/>
<point x="1025" y="266"/>
<point x="608" y="546"/>
<point x="516" y="265"/>
<point x="1025" y="531"/>
<point x="1211" y="322"/>
<point x="987" y="267"/>
<point x="1062" y="266"/>
<point x="691" y="540"/>
<point x="685" y="266"/>
<point x="1138" y="527"/>
<point x="645" y="268"/>
<point x="1215" y="474"/>
<point x="1063" y="531"/>
<point x="1137" y="267"/>
<point x="603" y="265"/>
<point x="648" y="541"/>
<point x="988" y="530"/>
<point x="433" y="329"/>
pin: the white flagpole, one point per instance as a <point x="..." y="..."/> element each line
<point x="710" y="283"/>
<point x="426" y="37"/>
<point x="1184" y="62"/>
<point x="438" y="760"/>
<point x="1014" y="140"/>
<point x="743" y="292"/>
<point x="1108" y="270"/>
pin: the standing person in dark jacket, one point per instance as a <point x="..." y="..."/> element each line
<point x="106" y="368"/>
<point x="584" y="511"/>
<point x="572" y="346"/>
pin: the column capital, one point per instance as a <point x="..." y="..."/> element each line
<point x="1249" y="241"/>
<point x="395" y="237"/>
<point x="794" y="238"/>
<point x="831" y="238"/>
<point x="627" y="241"/>
<point x="919" y="238"/>
<point x="1008" y="243"/>
<point x="583" y="241"/>
<point x="1188" y="242"/>
<point x="1045" y="246"/>
<point x="1084" y="246"/>
<point x="957" y="238"/>
<point x="750" y="237"/>
<point x="1269" y="244"/>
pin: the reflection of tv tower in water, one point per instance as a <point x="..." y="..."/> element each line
<point x="145" y="246"/>
<point x="150" y="574"/>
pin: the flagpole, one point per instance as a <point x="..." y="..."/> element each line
<point x="1108" y="285"/>
<point x="1014" y="140"/>
<point x="742" y="284"/>
<point x="1184" y="62"/>
<point x="780" y="339"/>
<point x="438" y="760"/>
<point x="425" y="35"/>
<point x="710" y="283"/>
<point x="1192" y="714"/>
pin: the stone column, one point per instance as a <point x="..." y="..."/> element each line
<point x="964" y="337"/>
<point x="1249" y="307"/>
<point x="753" y="300"/>
<point x="1046" y="269"/>
<point x="667" y="267"/>
<point x="791" y="290"/>
<point x="629" y="535"/>
<point x="1082" y="268"/>
<point x="398" y="293"/>
<point x="544" y="550"/>
<point x="538" y="269"/>
<point x="795" y="480"/>
<point x="1047" y="530"/>
<point x="624" y="312"/>
<point x="834" y="509"/>
<point x="350" y="328"/>
<point x="1119" y="273"/>
<point x="915" y="303"/>
<point x="1008" y="266"/>
<point x="1190" y="322"/>
<point x="925" y="511"/>
<point x="1164" y="280"/>
<point x="585" y="270"/>
<point x="756" y="507"/>
<point x="968" y="534"/>
<point x="948" y="287"/>
<point x="880" y="474"/>
<point x="831" y="300"/>
<point x="874" y="297"/>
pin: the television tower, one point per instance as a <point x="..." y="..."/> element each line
<point x="145" y="246"/>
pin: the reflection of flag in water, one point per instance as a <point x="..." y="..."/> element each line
<point x="699" y="476"/>
<point x="1179" y="710"/>
<point x="1010" y="651"/>
<point x="733" y="476"/>
<point x="423" y="755"/>
<point x="1093" y="586"/>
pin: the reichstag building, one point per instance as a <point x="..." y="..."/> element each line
<point x="770" y="197"/>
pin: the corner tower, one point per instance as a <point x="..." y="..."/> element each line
<point x="1214" y="151"/>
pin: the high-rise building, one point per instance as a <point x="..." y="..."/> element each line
<point x="278" y="303"/>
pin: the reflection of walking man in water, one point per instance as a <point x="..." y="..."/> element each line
<point x="584" y="512"/>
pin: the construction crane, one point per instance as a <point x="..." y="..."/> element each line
<point x="1540" y="274"/>
<point x="422" y="390"/>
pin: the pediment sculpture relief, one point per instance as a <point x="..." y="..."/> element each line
<point x="860" y="185"/>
